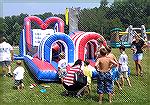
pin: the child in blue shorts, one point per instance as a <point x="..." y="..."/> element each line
<point x="115" y="77"/>
<point x="114" y="70"/>
<point x="104" y="80"/>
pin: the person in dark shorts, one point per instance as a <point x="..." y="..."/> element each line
<point x="6" y="56"/>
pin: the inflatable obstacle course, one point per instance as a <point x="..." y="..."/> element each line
<point x="40" y="48"/>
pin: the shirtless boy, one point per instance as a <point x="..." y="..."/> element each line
<point x="103" y="66"/>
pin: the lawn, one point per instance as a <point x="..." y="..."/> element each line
<point x="138" y="94"/>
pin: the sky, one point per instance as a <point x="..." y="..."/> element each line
<point x="32" y="7"/>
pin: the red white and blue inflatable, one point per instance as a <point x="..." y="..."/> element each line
<point x="39" y="47"/>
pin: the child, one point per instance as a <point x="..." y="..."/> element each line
<point x="19" y="75"/>
<point x="114" y="70"/>
<point x="88" y="73"/>
<point x="123" y="66"/>
<point x="103" y="66"/>
<point x="62" y="66"/>
<point x="100" y="42"/>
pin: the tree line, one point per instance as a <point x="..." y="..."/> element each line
<point x="121" y="14"/>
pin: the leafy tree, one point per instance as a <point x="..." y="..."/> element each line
<point x="114" y="23"/>
<point x="1" y="24"/>
<point x="16" y="34"/>
<point x="94" y="20"/>
<point x="100" y="19"/>
<point x="47" y="14"/>
<point x="103" y="3"/>
<point x="21" y="19"/>
<point x="129" y="12"/>
<point x="147" y="8"/>
<point x="148" y="22"/>
<point x="9" y="22"/>
<point x="5" y="27"/>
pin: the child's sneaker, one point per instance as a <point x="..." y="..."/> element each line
<point x="141" y="74"/>
<point x="4" y="76"/>
<point x="10" y="75"/>
<point x="120" y="88"/>
<point x="78" y="95"/>
<point x="22" y="85"/>
<point x="130" y="85"/>
<point x="100" y="102"/>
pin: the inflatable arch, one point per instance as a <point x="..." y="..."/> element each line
<point x="91" y="49"/>
<point x="46" y="47"/>
<point x="41" y="64"/>
<point x="43" y="25"/>
<point x="80" y="40"/>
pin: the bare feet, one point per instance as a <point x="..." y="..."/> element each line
<point x="110" y="101"/>
<point x="141" y="74"/>
<point x="100" y="102"/>
<point x="120" y="88"/>
<point x="130" y="85"/>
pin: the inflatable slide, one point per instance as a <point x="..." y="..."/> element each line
<point x="40" y="48"/>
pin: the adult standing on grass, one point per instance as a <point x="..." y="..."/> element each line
<point x="6" y="56"/>
<point x="137" y="47"/>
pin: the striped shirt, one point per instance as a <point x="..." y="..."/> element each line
<point x="69" y="79"/>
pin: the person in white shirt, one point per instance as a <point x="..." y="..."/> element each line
<point x="6" y="56"/>
<point x="123" y="66"/>
<point x="19" y="75"/>
<point x="62" y="64"/>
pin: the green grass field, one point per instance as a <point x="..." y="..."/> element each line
<point x="138" y="94"/>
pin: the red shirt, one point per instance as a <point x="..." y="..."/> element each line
<point x="68" y="80"/>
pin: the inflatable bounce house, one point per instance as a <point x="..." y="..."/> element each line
<point x="148" y="36"/>
<point x="115" y="38"/>
<point x="40" y="48"/>
<point x="119" y="38"/>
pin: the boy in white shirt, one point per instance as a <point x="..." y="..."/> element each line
<point x="19" y="75"/>
<point x="6" y="56"/>
<point x="123" y="66"/>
